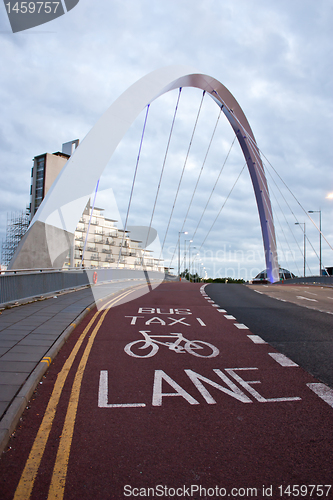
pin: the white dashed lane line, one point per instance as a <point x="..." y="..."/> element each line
<point x="229" y="316"/>
<point x="241" y="326"/>
<point x="282" y="359"/>
<point x="323" y="391"/>
<point x="256" y="339"/>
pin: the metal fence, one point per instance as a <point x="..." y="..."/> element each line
<point x="19" y="285"/>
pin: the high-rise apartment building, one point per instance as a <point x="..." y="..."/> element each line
<point x="45" y="169"/>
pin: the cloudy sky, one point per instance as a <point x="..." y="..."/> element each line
<point x="275" y="57"/>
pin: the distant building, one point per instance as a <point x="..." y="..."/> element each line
<point x="45" y="170"/>
<point x="284" y="274"/>
<point x="106" y="245"/>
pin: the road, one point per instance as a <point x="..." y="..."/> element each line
<point x="295" y="328"/>
<point x="204" y="408"/>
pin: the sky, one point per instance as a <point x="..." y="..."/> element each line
<point x="275" y="57"/>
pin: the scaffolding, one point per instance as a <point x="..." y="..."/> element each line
<point x="17" y="225"/>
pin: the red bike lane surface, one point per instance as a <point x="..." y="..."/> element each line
<point x="226" y="420"/>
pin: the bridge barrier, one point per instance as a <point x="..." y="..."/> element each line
<point x="23" y="284"/>
<point x="311" y="280"/>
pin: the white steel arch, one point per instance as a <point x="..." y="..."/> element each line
<point x="50" y="234"/>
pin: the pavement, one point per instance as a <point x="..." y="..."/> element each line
<point x="31" y="335"/>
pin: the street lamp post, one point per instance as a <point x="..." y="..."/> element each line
<point x="179" y="233"/>
<point x="303" y="224"/>
<point x="194" y="265"/>
<point x="190" y="258"/>
<point x="189" y="248"/>
<point x="318" y="212"/>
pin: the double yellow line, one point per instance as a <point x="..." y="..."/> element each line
<point x="58" y="481"/>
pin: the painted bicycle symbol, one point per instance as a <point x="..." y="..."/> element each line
<point x="150" y="345"/>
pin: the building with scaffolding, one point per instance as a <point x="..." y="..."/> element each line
<point x="17" y="225"/>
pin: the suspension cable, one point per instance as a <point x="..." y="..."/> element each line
<point x="91" y="214"/>
<point x="259" y="171"/>
<point x="182" y="174"/>
<point x="210" y="196"/>
<point x="163" y="166"/>
<point x="132" y="189"/>
<point x="195" y="188"/>
<point x="225" y="201"/>
<point x="204" y="162"/>
<point x="269" y="163"/>
<point x="214" y="187"/>
<point x="281" y="227"/>
<point x="256" y="154"/>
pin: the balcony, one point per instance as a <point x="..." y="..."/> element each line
<point x="109" y="241"/>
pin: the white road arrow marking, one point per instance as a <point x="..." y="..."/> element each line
<point x="305" y="298"/>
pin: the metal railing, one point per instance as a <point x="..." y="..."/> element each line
<point x="16" y="285"/>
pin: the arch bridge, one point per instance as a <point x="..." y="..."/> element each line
<point x="51" y="232"/>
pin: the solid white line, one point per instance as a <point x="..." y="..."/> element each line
<point x="258" y="292"/>
<point x="282" y="359"/>
<point x="256" y="339"/>
<point x="324" y="392"/>
<point x="229" y="316"/>
<point x="241" y="326"/>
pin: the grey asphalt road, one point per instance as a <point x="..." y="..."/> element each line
<point x="304" y="335"/>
